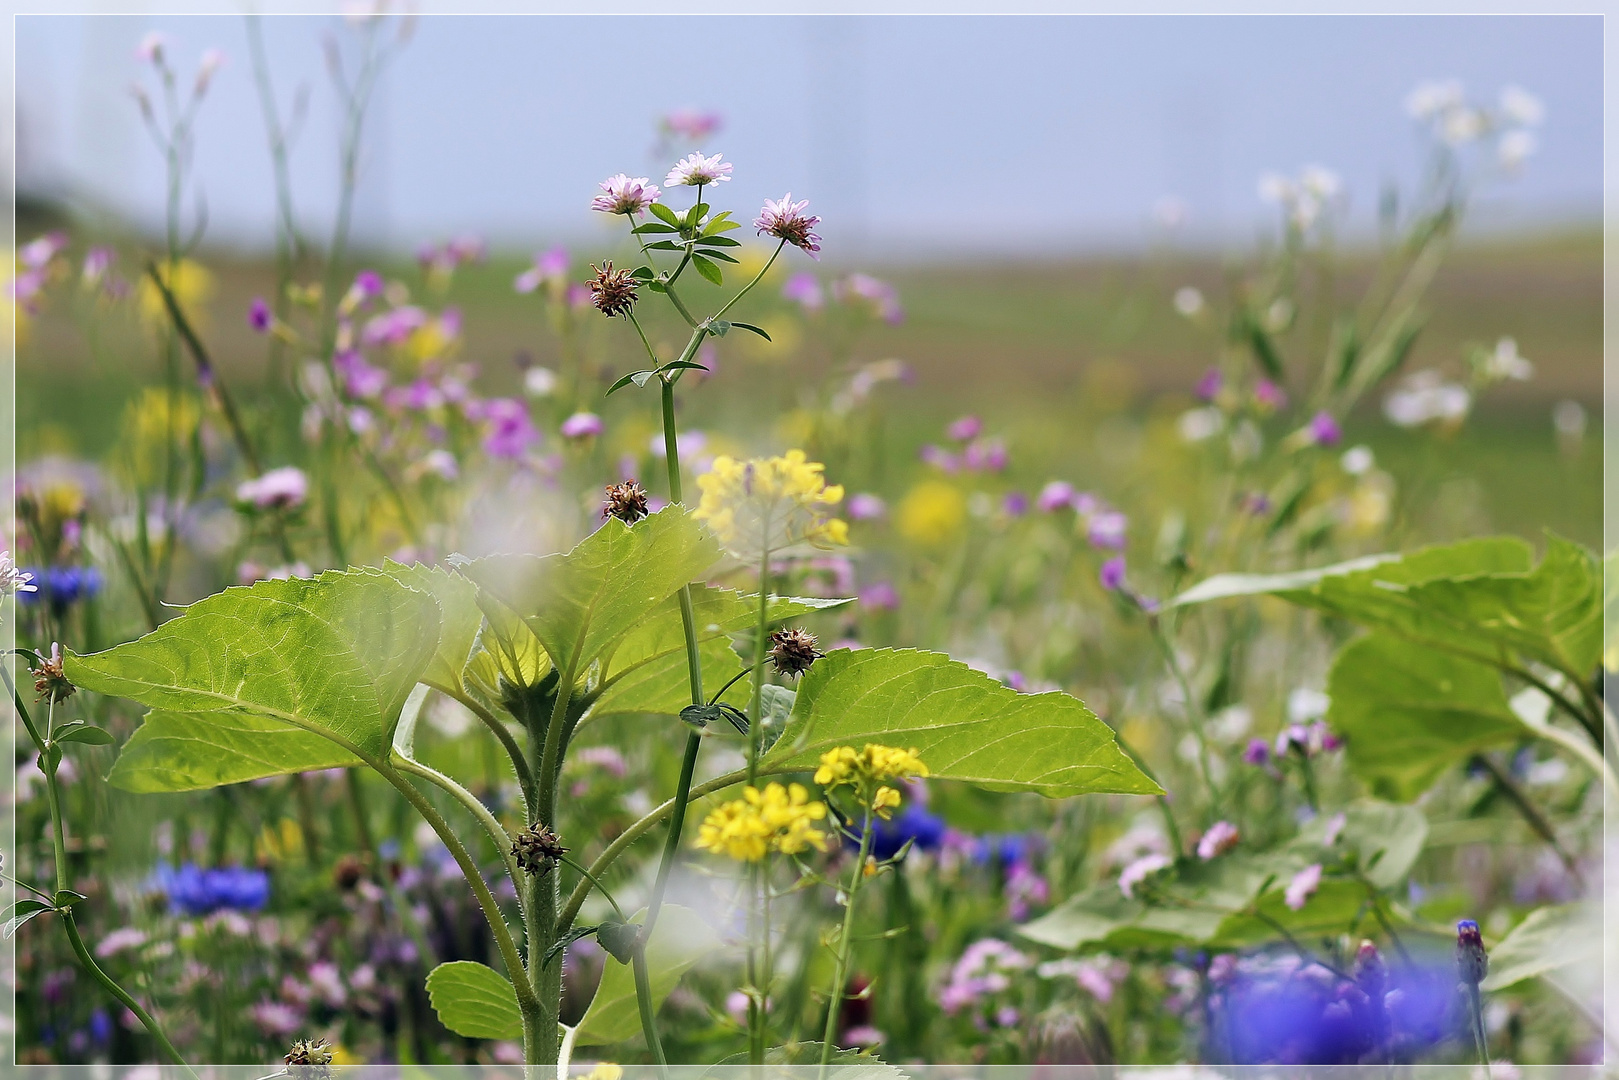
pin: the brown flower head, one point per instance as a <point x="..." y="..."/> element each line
<point x="310" y="1052"/>
<point x="612" y="291"/>
<point x="537" y="849"/>
<point x="792" y="651"/>
<point x="626" y="501"/>
<point x="49" y="680"/>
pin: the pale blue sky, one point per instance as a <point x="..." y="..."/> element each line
<point x="908" y="133"/>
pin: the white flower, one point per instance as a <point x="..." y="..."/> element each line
<point x="1521" y="107"/>
<point x="1276" y="188"/>
<point x="1304" y="705"/>
<point x="1514" y="148"/>
<point x="539" y="381"/>
<point x="1426" y="397"/>
<point x="1195" y="425"/>
<point x="1568" y="417"/>
<point x="13" y="580"/>
<point x="1357" y="460"/>
<point x="1431" y="98"/>
<point x="1188" y="300"/>
<point x="1505" y="362"/>
<point x="1461" y="125"/>
<point x="1321" y="182"/>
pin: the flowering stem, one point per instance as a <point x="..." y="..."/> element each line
<point x="749" y="286"/>
<point x="1194" y="711"/>
<point x="89" y="964"/>
<point x="1475" y="1021"/>
<point x="643" y="999"/>
<point x="525" y="775"/>
<point x="840" y="975"/>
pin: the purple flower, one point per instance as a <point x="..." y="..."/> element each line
<point x="258" y="315"/>
<point x="1056" y="495"/>
<point x="1257" y="752"/>
<point x="1268" y="396"/>
<point x="360" y="379"/>
<point x="551" y="266"/>
<point x="867" y="507"/>
<point x="880" y="295"/>
<point x="1324" y="430"/>
<point x="1303" y="886"/>
<point x="276" y="1019"/>
<point x="97" y="261"/>
<point x="1106" y="529"/>
<point x="1138" y="871"/>
<point x="691" y="124"/>
<point x="1256" y="503"/>
<point x="510" y="432"/>
<point x="1208" y="387"/>
<point x="804" y="290"/>
<point x="1016" y="504"/>
<point x="879" y="596"/>
<point x="393" y="327"/>
<point x="985" y="455"/>
<point x="787" y="221"/>
<point x="939" y="458"/>
<point x="695" y="169"/>
<point x="625" y="195"/>
<point x="283" y="488"/>
<point x="582" y="425"/>
<point x="368" y="283"/>
<point x="1221" y="838"/>
<point x="1112" y="574"/>
<point x="1025" y="890"/>
<point x="965" y="429"/>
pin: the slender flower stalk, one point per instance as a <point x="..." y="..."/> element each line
<point x="840" y="969"/>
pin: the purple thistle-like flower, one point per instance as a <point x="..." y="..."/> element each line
<point x="1106" y="529"/>
<point x="965" y="429"/>
<point x="1057" y="495"/>
<point x="787" y="221"/>
<point x="1209" y="385"/>
<point x="1112" y="574"/>
<point x="368" y="283"/>
<point x="623" y="194"/>
<point x="1257" y="752"/>
<point x="258" y="315"/>
<point x="582" y="425"/>
<point x="695" y="169"/>
<point x="1324" y="430"/>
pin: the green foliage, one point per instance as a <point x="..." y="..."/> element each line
<point x="458" y="605"/>
<point x="680" y="939"/>
<point x="851" y="1064"/>
<point x="1551" y="940"/>
<point x="335" y="656"/>
<point x="474" y="1001"/>
<point x="173" y="751"/>
<point x="964" y="725"/>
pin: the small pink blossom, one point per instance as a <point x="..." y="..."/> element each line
<point x="1112" y="574"/>
<point x="805" y="291"/>
<point x="965" y="429"/>
<point x="582" y="425"/>
<point x="1303" y="886"/>
<point x="939" y="458"/>
<point x="867" y="507"/>
<point x="1057" y="495"/>
<point x="1221" y="838"/>
<point x="283" y="488"/>
<point x="1335" y="826"/>
<point x="207" y="67"/>
<point x="879" y="596"/>
<point x="152" y="47"/>
<point x="1137" y="872"/>
<point x="623" y="194"/>
<point x="695" y="169"/>
<point x="787" y="221"/>
<point x="510" y="431"/>
<point x="694" y="125"/>
<point x="1107" y="529"/>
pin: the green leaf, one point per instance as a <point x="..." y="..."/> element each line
<point x="66" y="898"/>
<point x="176" y="751"/>
<point x="707" y="269"/>
<point x="851" y="1064"/>
<point x="1264" y="350"/>
<point x="1331" y="910"/>
<point x="85" y="733"/>
<point x="778" y="702"/>
<point x="580" y="604"/>
<point x="752" y="329"/>
<point x="405" y="730"/>
<point x="654" y="227"/>
<point x="1387" y="838"/>
<point x="474" y="1001"/>
<point x="1549" y="941"/>
<point x="964" y="725"/>
<point x="458" y="606"/>
<point x="668" y="216"/>
<point x="1408" y="712"/>
<point x="665" y="245"/>
<point x="22" y="912"/>
<point x="717" y="241"/>
<point x="639" y="378"/>
<point x="679" y="940"/>
<point x="710" y="254"/>
<point x="505" y="654"/>
<point x="336" y="655"/>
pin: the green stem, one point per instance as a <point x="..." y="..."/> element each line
<point x="643" y="998"/>
<point x="89" y="964"/>
<point x="840" y="974"/>
<point x="525" y="775"/>
<point x="749" y="286"/>
<point x="756" y="726"/>
<point x="1476" y="1022"/>
<point x="1194" y="711"/>
<point x="497" y="834"/>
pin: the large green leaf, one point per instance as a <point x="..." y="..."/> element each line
<point x="474" y="1001"/>
<point x="1408" y="712"/>
<point x="1386" y="838"/>
<point x="680" y="939"/>
<point x="964" y="725"/>
<point x="581" y="603"/>
<point x="1551" y="940"/>
<point x="188" y="752"/>
<point x="458" y="605"/>
<point x="336" y="655"/>
<point x="1331" y="910"/>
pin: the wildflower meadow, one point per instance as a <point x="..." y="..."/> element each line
<point x="697" y="647"/>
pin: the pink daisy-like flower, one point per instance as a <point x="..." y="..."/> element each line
<point x="695" y="169"/>
<point x="625" y="195"/>
<point x="786" y="220"/>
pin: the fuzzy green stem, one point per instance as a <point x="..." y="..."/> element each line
<point x="840" y="973"/>
<point x="756" y="710"/>
<point x="643" y="998"/>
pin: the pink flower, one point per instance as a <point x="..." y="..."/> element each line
<point x="276" y="1019"/>
<point x="1106" y="529"/>
<point x="1015" y="504"/>
<point x="625" y="195"/>
<point x="879" y="596"/>
<point x="284" y="488"/>
<point x="551" y="266"/>
<point x="582" y="425"/>
<point x="1268" y="396"/>
<point x="1221" y="838"/>
<point x="258" y="315"/>
<point x="1324" y="430"/>
<point x="939" y="458"/>
<point x="805" y="291"/>
<point x="1335" y="825"/>
<point x="37" y="253"/>
<point x="511" y="432"/>
<point x="97" y="261"/>
<point x="151" y="47"/>
<point x="1208" y="387"/>
<point x="965" y="429"/>
<point x="882" y="297"/>
<point x="867" y="507"/>
<point x="360" y="379"/>
<point x="787" y="221"/>
<point x="691" y="124"/>
<point x="985" y="455"/>
<point x="1303" y="886"/>
<point x="207" y="66"/>
<point x="695" y="170"/>
<point x="1137" y="872"/>
<point x="1112" y="574"/>
<point x="1055" y="496"/>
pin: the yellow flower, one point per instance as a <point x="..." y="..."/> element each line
<point x="192" y="285"/>
<point x="931" y="512"/>
<point x="770" y="504"/>
<point x="868" y="773"/>
<point x="775" y="819"/>
<point x="605" y="1070"/>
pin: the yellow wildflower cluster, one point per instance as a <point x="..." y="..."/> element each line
<point x="775" y="819"/>
<point x="931" y="513"/>
<point x="770" y="504"/>
<point x="868" y="772"/>
<point x="192" y="285"/>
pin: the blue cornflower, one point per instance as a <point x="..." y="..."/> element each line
<point x="62" y="586"/>
<point x="193" y="891"/>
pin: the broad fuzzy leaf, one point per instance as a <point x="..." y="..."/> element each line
<point x="1386" y="838"/>
<point x="964" y="725"/>
<point x="474" y="1001"/>
<point x="458" y="605"/>
<point x="581" y="603"/>
<point x="1551" y="940"/>
<point x="173" y="751"/>
<point x="336" y="655"/>
<point x="1408" y="712"/>
<point x="680" y="939"/>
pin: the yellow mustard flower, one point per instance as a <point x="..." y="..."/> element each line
<point x="192" y="285"/>
<point x="868" y="772"/>
<point x="775" y="819"/>
<point x="931" y="512"/>
<point x="770" y="504"/>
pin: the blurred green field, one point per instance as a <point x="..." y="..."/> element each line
<point x="1046" y="352"/>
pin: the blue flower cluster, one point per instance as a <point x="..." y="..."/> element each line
<point x="914" y="825"/>
<point x="62" y="586"/>
<point x="194" y="891"/>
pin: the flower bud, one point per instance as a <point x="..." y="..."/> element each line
<point x="1472" y="962"/>
<point x="792" y="651"/>
<point x="626" y="501"/>
<point x="537" y="850"/>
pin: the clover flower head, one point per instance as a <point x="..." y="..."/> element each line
<point x="623" y="194"/>
<point x="50" y="681"/>
<point x="779" y="818"/>
<point x="770" y="504"/>
<point x="582" y="425"/>
<point x="612" y="291"/>
<point x="695" y="169"/>
<point x="786" y="220"/>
